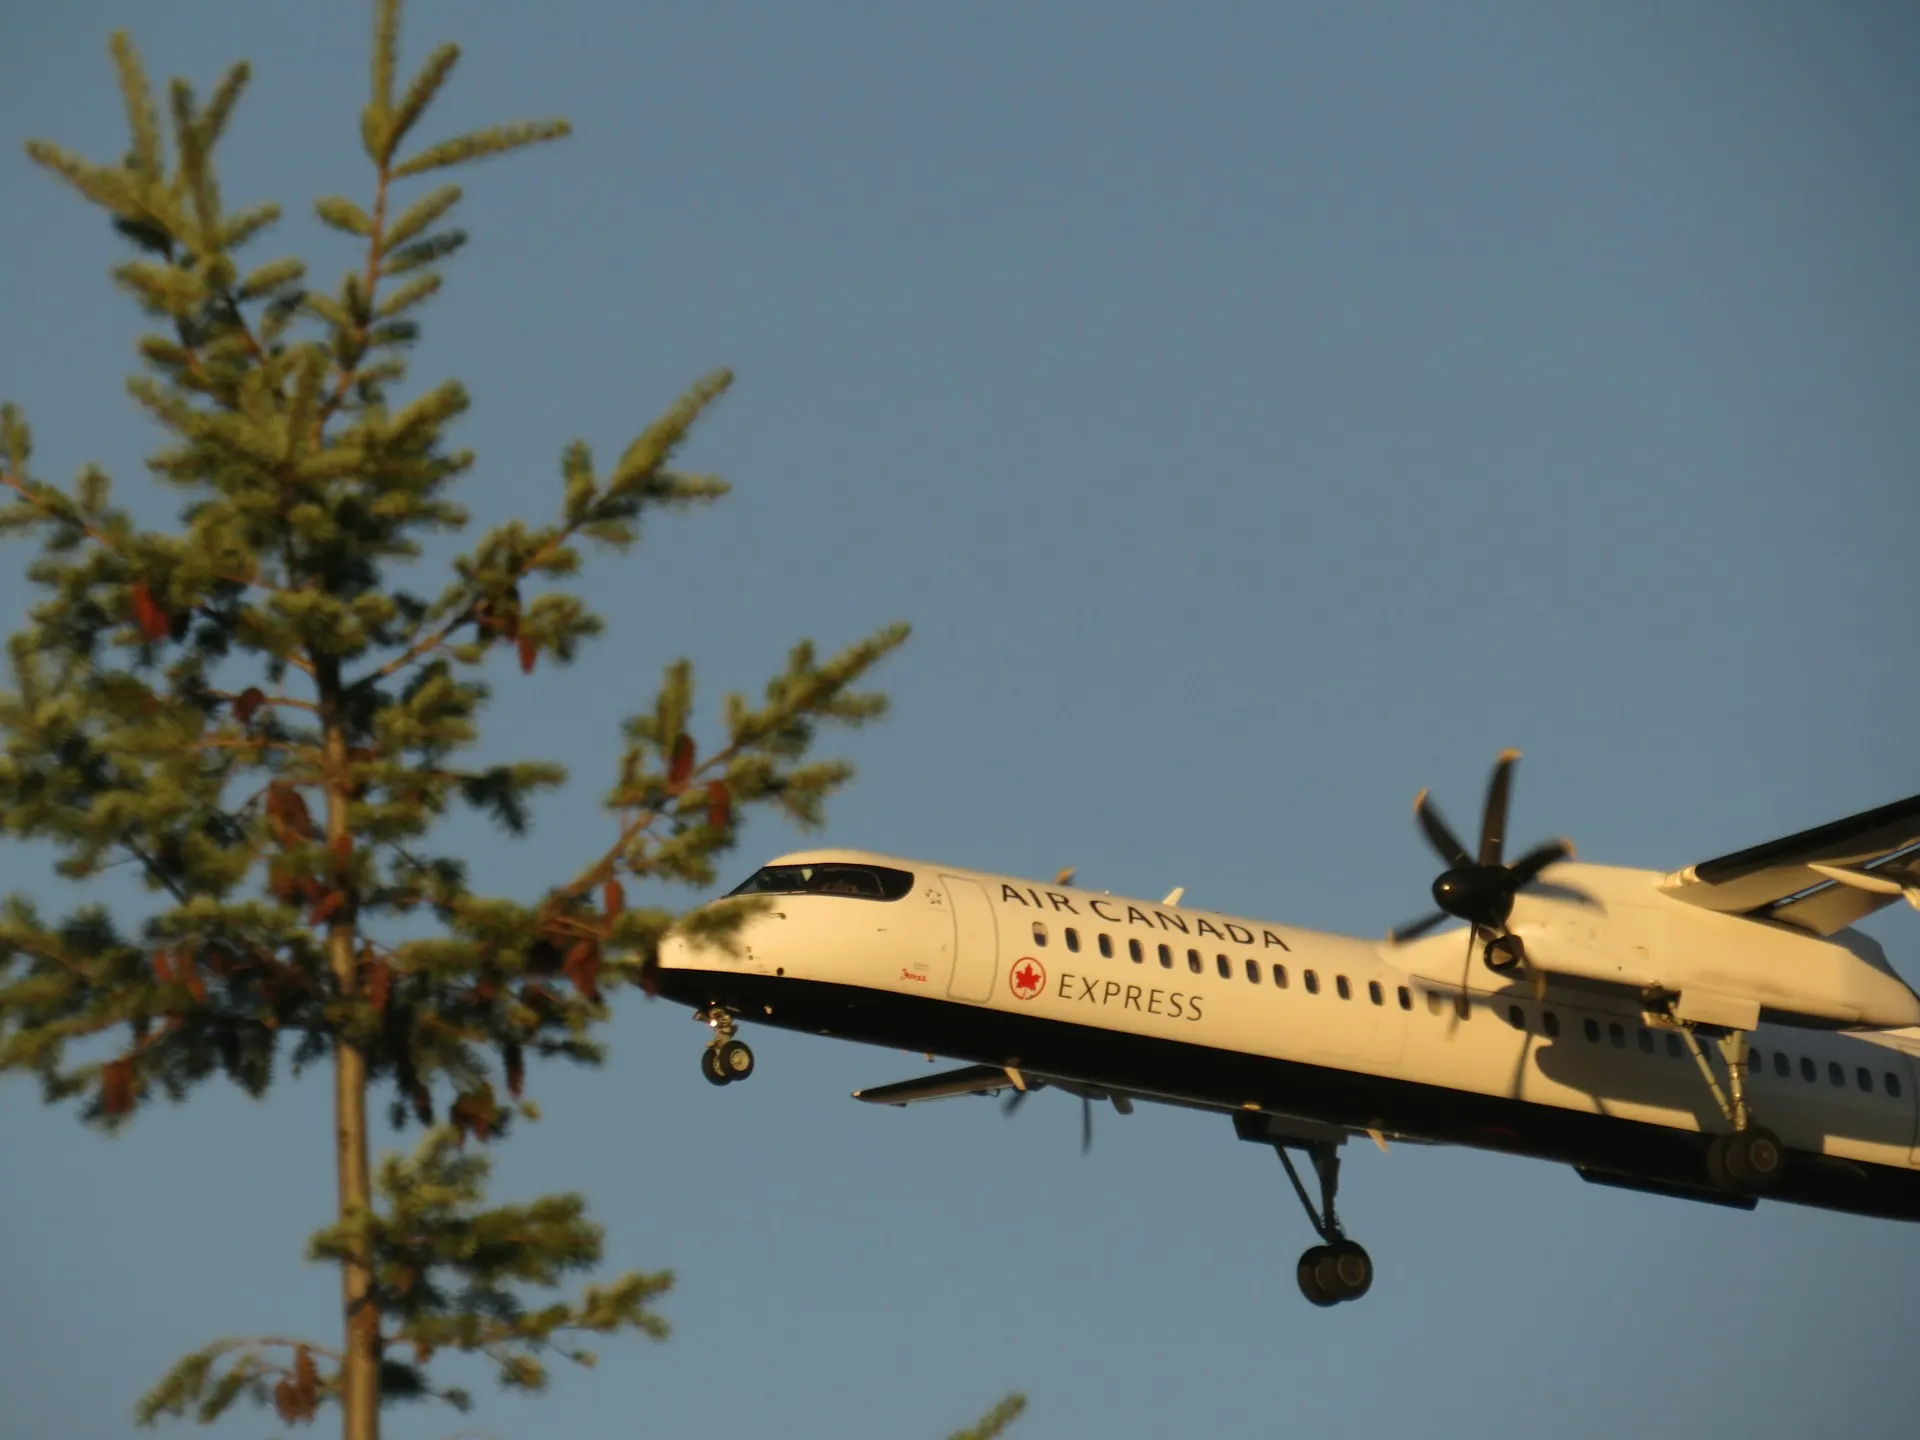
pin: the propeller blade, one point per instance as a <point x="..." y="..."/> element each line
<point x="1443" y="840"/>
<point x="1012" y="1102"/>
<point x="1466" y="974"/>
<point x="1403" y="933"/>
<point x="1086" y="1125"/>
<point x="1493" y="822"/>
<point x="1538" y="859"/>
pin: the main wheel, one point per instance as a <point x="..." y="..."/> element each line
<point x="1755" y="1158"/>
<point x="734" y="1059"/>
<point x="1717" y="1169"/>
<point x="1351" y="1268"/>
<point x="1343" y="1270"/>
<point x="1308" y="1273"/>
<point x="710" y="1067"/>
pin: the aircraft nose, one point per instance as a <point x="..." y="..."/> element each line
<point x="675" y="953"/>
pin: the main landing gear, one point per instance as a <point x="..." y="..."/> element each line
<point x="1338" y="1269"/>
<point x="725" y="1059"/>
<point x="1748" y="1160"/>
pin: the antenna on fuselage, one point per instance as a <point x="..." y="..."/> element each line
<point x="1173" y="897"/>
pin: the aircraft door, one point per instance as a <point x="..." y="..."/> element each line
<point x="976" y="946"/>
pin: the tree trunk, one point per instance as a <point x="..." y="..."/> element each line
<point x="360" y="1368"/>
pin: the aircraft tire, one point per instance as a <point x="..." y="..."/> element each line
<point x="1308" y="1274"/>
<point x="733" y="1059"/>
<point x="710" y="1066"/>
<point x="1717" y="1169"/>
<point x="1755" y="1158"/>
<point x="1351" y="1268"/>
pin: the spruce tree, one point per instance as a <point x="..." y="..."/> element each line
<point x="264" y="713"/>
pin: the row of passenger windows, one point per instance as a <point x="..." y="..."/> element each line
<point x="1196" y="962"/>
<point x="1437" y="1004"/>
<point x="1783" y="1064"/>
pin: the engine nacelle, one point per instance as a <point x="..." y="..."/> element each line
<point x="1719" y="969"/>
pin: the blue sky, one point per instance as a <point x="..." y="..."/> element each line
<point x="1261" y="411"/>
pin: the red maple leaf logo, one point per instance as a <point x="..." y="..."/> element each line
<point x="1027" y="978"/>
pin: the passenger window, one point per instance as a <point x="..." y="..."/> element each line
<point x="1865" y="1077"/>
<point x="1782" y="1066"/>
<point x="1279" y="976"/>
<point x="1106" y="947"/>
<point x="1592" y="1027"/>
<point x="1406" y="998"/>
<point x="1434" y="1003"/>
<point x="1039" y="933"/>
<point x="1225" y="967"/>
<point x="1646" y="1040"/>
<point x="1374" y="993"/>
<point x="1550" y="1022"/>
<point x="1193" y="961"/>
<point x="1340" y="984"/>
<point x="1893" y="1085"/>
<point x="1835" y="1073"/>
<point x="1516" y="1017"/>
<point x="1253" y="971"/>
<point x="1311" y="981"/>
<point x="1753" y="1062"/>
<point x="1617" y="1035"/>
<point x="1166" y="958"/>
<point x="1676" y="1049"/>
<point x="1134" y="952"/>
<point x="1073" y="940"/>
<point x="1463" y="1005"/>
<point x="1809" y="1072"/>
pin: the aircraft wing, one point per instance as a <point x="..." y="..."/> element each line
<point x="1820" y="880"/>
<point x="972" y="1080"/>
<point x="990" y="1079"/>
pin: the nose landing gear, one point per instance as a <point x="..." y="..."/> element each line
<point x="725" y="1059"/>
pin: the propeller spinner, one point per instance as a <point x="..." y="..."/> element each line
<point x="1479" y="888"/>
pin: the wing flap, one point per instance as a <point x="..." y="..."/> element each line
<point x="1779" y="870"/>
<point x="971" y="1080"/>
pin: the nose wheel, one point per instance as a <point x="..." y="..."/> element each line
<point x="726" y="1059"/>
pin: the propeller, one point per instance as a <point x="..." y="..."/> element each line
<point x="1480" y="887"/>
<point x="1120" y="1103"/>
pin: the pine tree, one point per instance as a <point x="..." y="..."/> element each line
<point x="256" y="712"/>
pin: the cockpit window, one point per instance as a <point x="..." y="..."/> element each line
<point x="863" y="882"/>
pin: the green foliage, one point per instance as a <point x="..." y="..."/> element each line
<point x="445" y="1268"/>
<point x="261" y="714"/>
<point x="995" y="1422"/>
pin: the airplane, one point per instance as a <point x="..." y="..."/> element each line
<point x="1719" y="1033"/>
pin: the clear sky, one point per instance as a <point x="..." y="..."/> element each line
<point x="1262" y="411"/>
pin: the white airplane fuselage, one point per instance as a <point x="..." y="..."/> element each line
<point x="1286" y="1026"/>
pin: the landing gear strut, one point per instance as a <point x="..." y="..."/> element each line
<point x="1338" y="1269"/>
<point x="725" y="1059"/>
<point x="1750" y="1159"/>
